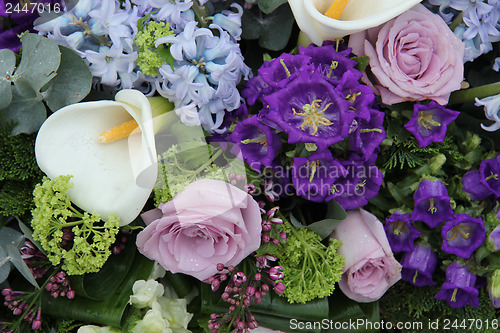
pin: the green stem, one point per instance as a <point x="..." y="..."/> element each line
<point x="469" y="95"/>
<point x="456" y="22"/>
<point x="201" y="13"/>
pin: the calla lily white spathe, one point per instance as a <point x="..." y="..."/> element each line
<point x="358" y="15"/>
<point x="115" y="178"/>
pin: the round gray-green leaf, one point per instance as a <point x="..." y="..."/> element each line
<point x="28" y="115"/>
<point x="7" y="64"/>
<point x="39" y="62"/>
<point x="72" y="83"/>
<point x="4" y="265"/>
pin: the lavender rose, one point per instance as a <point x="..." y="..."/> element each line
<point x="209" y="222"/>
<point x="412" y="57"/>
<point x="370" y="268"/>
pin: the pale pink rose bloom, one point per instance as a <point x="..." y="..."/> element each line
<point x="209" y="222"/>
<point x="370" y="267"/>
<point x="413" y="57"/>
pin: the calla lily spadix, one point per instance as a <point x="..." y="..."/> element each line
<point x="114" y="178"/>
<point x="358" y="15"/>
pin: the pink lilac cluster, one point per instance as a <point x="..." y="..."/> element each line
<point x="58" y="285"/>
<point x="37" y="262"/>
<point x="14" y="301"/>
<point x="241" y="290"/>
<point x="313" y="105"/>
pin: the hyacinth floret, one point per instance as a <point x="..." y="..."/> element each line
<point x="479" y="26"/>
<point x="102" y="33"/>
<point x="205" y="73"/>
<point x="79" y="240"/>
<point x="177" y="12"/>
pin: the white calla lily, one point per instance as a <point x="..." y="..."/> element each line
<point x="114" y="178"/>
<point x="357" y="16"/>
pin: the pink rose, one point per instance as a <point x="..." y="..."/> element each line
<point x="209" y="222"/>
<point x="370" y="268"/>
<point x="413" y="57"/>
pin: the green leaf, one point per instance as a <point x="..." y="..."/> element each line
<point x="7" y="65"/>
<point x="273" y="30"/>
<point x="362" y="62"/>
<point x="28" y="115"/>
<point x="28" y="233"/>
<point x="295" y="222"/>
<point x="39" y="62"/>
<point x="106" y="312"/>
<point x="10" y="236"/>
<point x="274" y="311"/>
<point x="324" y="227"/>
<point x="72" y="83"/>
<point x="98" y="286"/>
<point x="335" y="211"/>
<point x="268" y="6"/>
<point x="4" y="265"/>
<point x="17" y="260"/>
<point x="343" y="309"/>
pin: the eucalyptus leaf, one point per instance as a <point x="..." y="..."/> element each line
<point x="277" y="28"/>
<point x="39" y="61"/>
<point x="7" y="65"/>
<point x="17" y="260"/>
<point x="108" y="312"/>
<point x="335" y="211"/>
<point x="324" y="227"/>
<point x="273" y="30"/>
<point x="29" y="234"/>
<point x="268" y="6"/>
<point x="28" y="115"/>
<point x="10" y="236"/>
<point x="4" y="266"/>
<point x="296" y="223"/>
<point x="72" y="83"/>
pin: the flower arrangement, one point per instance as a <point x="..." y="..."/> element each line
<point x="219" y="166"/>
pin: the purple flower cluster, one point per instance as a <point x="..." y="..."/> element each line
<point x="429" y="122"/>
<point x="313" y="103"/>
<point x="484" y="182"/>
<point x="461" y="236"/>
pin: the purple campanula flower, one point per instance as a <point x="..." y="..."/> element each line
<point x="259" y="143"/>
<point x="494" y="288"/>
<point x="255" y="88"/>
<point x="280" y="71"/>
<point x="432" y="203"/>
<point x="367" y="133"/>
<point x="490" y="175"/>
<point x="361" y="184"/>
<point x="429" y="122"/>
<point x="459" y="289"/>
<point x="494" y="238"/>
<point x="419" y="265"/>
<point x="309" y="110"/>
<point x="331" y="63"/>
<point x="400" y="233"/>
<point x="314" y="176"/>
<point x="473" y="186"/>
<point x="462" y="235"/>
